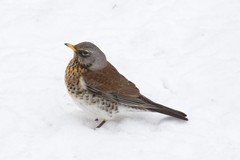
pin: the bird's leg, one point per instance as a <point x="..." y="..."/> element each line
<point x="100" y="124"/>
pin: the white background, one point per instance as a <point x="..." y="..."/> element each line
<point x="181" y="53"/>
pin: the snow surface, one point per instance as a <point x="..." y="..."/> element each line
<point x="184" y="54"/>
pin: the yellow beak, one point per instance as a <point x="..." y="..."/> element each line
<point x="71" y="46"/>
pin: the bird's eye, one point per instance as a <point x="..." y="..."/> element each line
<point x="84" y="53"/>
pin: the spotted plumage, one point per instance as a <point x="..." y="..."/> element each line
<point x="90" y="102"/>
<point x="99" y="89"/>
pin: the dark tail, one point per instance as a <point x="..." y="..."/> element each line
<point x="168" y="111"/>
<point x="154" y="107"/>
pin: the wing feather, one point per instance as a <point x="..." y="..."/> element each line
<point x="114" y="87"/>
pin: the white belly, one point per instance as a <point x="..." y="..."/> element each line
<point x="92" y="109"/>
<point x="91" y="105"/>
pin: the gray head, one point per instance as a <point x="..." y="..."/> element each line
<point x="89" y="55"/>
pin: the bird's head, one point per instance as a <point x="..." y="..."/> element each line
<point x="89" y="55"/>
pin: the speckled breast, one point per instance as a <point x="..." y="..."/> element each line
<point x="95" y="105"/>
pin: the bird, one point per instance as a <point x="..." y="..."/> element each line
<point x="97" y="87"/>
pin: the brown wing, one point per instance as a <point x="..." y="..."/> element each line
<point x="110" y="81"/>
<point x="110" y="84"/>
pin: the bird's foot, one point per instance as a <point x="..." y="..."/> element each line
<point x="100" y="124"/>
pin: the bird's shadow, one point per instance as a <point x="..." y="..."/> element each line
<point x="150" y="119"/>
<point x="171" y="120"/>
<point x="153" y="120"/>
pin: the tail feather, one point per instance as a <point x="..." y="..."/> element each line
<point x="155" y="107"/>
<point x="168" y="111"/>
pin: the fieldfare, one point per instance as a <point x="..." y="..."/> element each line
<point x="99" y="89"/>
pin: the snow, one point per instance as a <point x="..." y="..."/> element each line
<point x="183" y="54"/>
